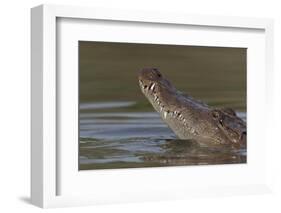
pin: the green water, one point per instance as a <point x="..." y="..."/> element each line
<point x="118" y="126"/>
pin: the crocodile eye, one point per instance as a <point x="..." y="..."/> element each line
<point x="159" y="75"/>
<point x="243" y="135"/>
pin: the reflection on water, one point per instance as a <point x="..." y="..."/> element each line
<point x="140" y="139"/>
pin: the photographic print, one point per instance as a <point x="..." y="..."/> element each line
<point x="155" y="105"/>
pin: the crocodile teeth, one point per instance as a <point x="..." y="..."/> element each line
<point x="165" y="115"/>
<point x="152" y="86"/>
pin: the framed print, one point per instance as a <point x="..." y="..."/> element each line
<point x="146" y="105"/>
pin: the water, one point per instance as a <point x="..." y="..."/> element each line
<point x="140" y="139"/>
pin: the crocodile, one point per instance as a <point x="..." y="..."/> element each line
<point x="189" y="118"/>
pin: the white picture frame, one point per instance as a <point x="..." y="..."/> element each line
<point x="46" y="168"/>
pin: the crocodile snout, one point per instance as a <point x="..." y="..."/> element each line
<point x="150" y="74"/>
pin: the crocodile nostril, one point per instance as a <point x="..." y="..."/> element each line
<point x="157" y="72"/>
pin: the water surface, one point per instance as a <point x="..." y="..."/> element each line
<point x="140" y="139"/>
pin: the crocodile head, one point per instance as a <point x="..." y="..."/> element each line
<point x="187" y="117"/>
<point x="158" y="90"/>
